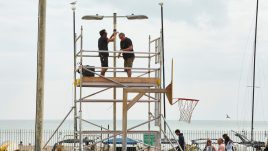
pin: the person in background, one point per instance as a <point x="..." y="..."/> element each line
<point x="103" y="46"/>
<point x="181" y="140"/>
<point x="221" y="145"/>
<point x="209" y="146"/>
<point x="126" y="45"/>
<point x="229" y="145"/>
<point x="266" y="147"/>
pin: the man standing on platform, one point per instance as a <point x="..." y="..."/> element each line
<point x="126" y="45"/>
<point x="103" y="46"/>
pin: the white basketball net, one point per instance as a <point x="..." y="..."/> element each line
<point x="186" y="107"/>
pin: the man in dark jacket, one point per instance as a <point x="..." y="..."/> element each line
<point x="181" y="140"/>
<point x="103" y="46"/>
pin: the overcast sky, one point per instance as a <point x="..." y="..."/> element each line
<point x="211" y="42"/>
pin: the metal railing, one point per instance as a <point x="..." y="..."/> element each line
<point x="25" y="137"/>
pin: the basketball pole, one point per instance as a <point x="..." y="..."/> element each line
<point x="163" y="61"/>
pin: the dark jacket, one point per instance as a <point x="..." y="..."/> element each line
<point x="181" y="142"/>
<point x="103" y="45"/>
<point x="125" y="44"/>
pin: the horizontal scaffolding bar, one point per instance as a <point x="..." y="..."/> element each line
<point x="151" y="69"/>
<point x="119" y="51"/>
<point x="111" y="100"/>
<point x="112" y="132"/>
<point x="144" y="72"/>
<point x="111" y="56"/>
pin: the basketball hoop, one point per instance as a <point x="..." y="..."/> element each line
<point x="186" y="107"/>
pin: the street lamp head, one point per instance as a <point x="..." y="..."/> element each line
<point x="132" y="17"/>
<point x="73" y="5"/>
<point x="161" y="3"/>
<point x="92" y="17"/>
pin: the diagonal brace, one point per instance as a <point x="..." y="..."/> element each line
<point x="136" y="99"/>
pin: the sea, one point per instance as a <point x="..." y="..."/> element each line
<point x="172" y="124"/>
<point x="22" y="131"/>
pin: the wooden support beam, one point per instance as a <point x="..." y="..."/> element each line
<point x="105" y="85"/>
<point x="124" y="121"/>
<point x="126" y="107"/>
<point x="123" y="80"/>
<point x="136" y="99"/>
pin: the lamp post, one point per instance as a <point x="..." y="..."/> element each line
<point x="129" y="17"/>
<point x="114" y="89"/>
<point x="40" y="81"/>
<point x="73" y="7"/>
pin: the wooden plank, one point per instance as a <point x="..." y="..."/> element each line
<point x="123" y="80"/>
<point x="124" y="121"/>
<point x="103" y="84"/>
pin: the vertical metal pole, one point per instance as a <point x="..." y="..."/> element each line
<point x="74" y="78"/>
<point x="254" y="69"/>
<point x="114" y="89"/>
<point x="159" y="103"/>
<point x="80" y="95"/>
<point x="40" y="75"/>
<point x="149" y="75"/>
<point x="108" y="137"/>
<point x="163" y="58"/>
<point x="124" y="121"/>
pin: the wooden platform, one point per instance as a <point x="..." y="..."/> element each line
<point x="118" y="82"/>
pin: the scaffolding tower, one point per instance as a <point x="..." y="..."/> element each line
<point x="145" y="84"/>
<point x="143" y="87"/>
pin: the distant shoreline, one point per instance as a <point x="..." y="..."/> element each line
<point x="174" y="124"/>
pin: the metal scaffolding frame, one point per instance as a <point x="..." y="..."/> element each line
<point x="146" y="84"/>
<point x="145" y="73"/>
